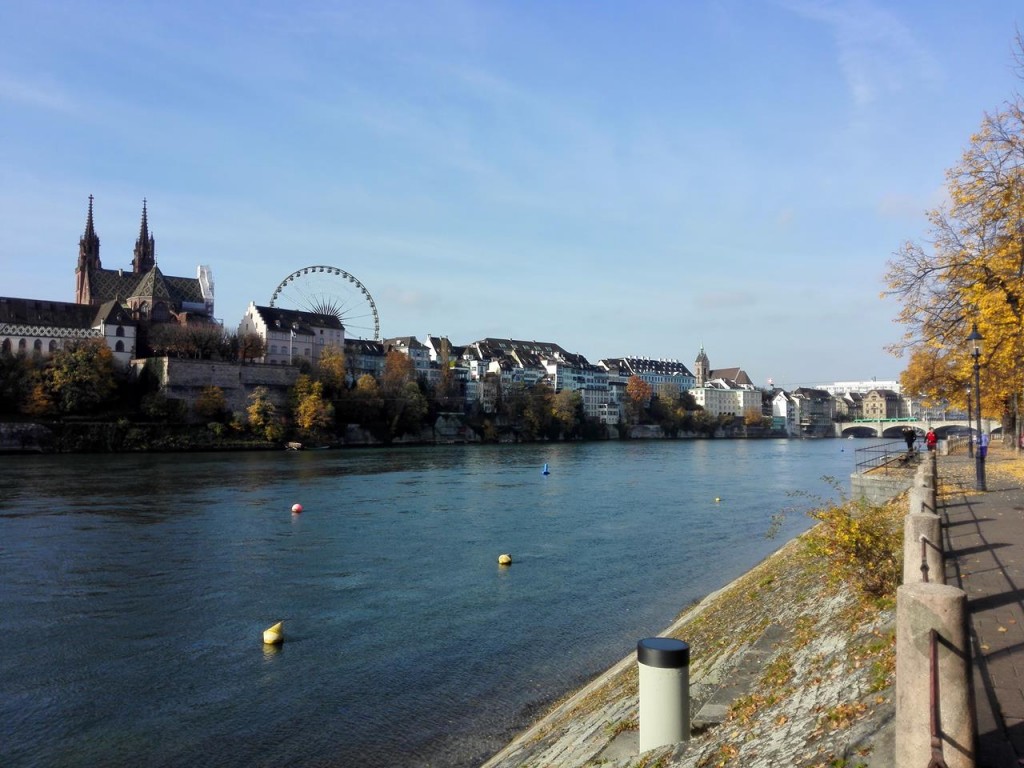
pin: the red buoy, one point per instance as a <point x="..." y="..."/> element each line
<point x="296" y="509"/>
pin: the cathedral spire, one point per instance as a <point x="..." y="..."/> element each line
<point x="88" y="258"/>
<point x="145" y="246"/>
<point x="89" y="243"/>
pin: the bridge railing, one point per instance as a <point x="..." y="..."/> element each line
<point x="883" y="457"/>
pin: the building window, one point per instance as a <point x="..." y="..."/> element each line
<point x="37" y="347"/>
<point x="21" y="345"/>
<point x="120" y="331"/>
<point x="6" y="347"/>
<point x="53" y="346"/>
<point x="119" y="347"/>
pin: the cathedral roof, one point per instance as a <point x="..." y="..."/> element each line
<point x="109" y="284"/>
<point x="59" y="314"/>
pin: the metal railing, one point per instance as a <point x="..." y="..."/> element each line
<point x="884" y="456"/>
<point x="937" y="761"/>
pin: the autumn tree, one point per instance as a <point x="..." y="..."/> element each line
<point x="367" y="405"/>
<point x="312" y="412"/>
<point x="211" y="405"/>
<point x="446" y="393"/>
<point x="971" y="274"/>
<point x="197" y="341"/>
<point x="667" y="413"/>
<point x="331" y="370"/>
<point x="262" y="413"/>
<point x="399" y="370"/>
<point x="17" y="381"/>
<point x="753" y="417"/>
<point x="538" y="418"/>
<point x="638" y="397"/>
<point x="250" y="346"/>
<point x="567" y="410"/>
<point x="80" y="378"/>
<point x="407" y="411"/>
<point x="404" y="405"/>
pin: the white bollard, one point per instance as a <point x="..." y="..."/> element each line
<point x="664" y="664"/>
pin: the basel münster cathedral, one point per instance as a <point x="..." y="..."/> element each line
<point x="117" y="305"/>
<point x="146" y="292"/>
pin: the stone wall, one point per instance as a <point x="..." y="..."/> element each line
<point x="878" y="488"/>
<point x="185" y="379"/>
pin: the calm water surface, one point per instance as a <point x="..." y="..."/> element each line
<point x="133" y="591"/>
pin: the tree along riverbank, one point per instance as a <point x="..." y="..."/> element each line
<point x="323" y="405"/>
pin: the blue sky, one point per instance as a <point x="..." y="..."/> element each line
<point x="623" y="179"/>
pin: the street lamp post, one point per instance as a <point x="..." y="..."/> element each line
<point x="970" y="437"/>
<point x="979" y="455"/>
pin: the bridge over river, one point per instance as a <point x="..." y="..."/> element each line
<point x="894" y="427"/>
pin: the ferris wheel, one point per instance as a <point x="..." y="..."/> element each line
<point x="330" y="291"/>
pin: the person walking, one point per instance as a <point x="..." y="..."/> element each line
<point x="931" y="439"/>
<point x="910" y="435"/>
<point x="983" y="444"/>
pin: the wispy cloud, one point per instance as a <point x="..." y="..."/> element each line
<point x="877" y="53"/>
<point x="34" y="94"/>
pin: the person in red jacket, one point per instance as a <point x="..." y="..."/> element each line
<point x="931" y="439"/>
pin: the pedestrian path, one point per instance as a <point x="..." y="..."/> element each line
<point x="985" y="557"/>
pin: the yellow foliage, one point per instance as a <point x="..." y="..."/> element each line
<point x="860" y="544"/>
<point x="973" y="275"/>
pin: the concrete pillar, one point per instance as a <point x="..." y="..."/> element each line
<point x="921" y="500"/>
<point x="920" y="608"/>
<point x="925" y="485"/>
<point x="916" y="525"/>
<point x="664" y="666"/>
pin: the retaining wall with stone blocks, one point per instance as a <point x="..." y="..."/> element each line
<point x="185" y="379"/>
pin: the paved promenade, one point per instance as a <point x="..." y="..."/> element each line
<point x="985" y="557"/>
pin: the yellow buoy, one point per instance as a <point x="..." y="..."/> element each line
<point x="275" y="634"/>
<point x="505" y="559"/>
<point x="717" y="499"/>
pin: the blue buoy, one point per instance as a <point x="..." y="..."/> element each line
<point x="545" y="471"/>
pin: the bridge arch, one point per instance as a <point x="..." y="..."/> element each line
<point x="859" y="431"/>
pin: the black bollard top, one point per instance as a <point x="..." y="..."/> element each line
<point x="663" y="652"/>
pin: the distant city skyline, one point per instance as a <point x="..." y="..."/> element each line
<point x="621" y="180"/>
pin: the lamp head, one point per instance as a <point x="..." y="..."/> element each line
<point x="975" y="340"/>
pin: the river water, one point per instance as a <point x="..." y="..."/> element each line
<point x="134" y="590"/>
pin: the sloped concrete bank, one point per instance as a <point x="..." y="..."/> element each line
<point x="785" y="670"/>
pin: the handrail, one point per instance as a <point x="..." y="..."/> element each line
<point x="937" y="761"/>
<point x="883" y="456"/>
<point x="924" y="559"/>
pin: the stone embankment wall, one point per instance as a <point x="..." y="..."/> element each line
<point x="26" y="438"/>
<point x="185" y="379"/>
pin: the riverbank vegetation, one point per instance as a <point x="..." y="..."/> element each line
<point x="84" y="399"/>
